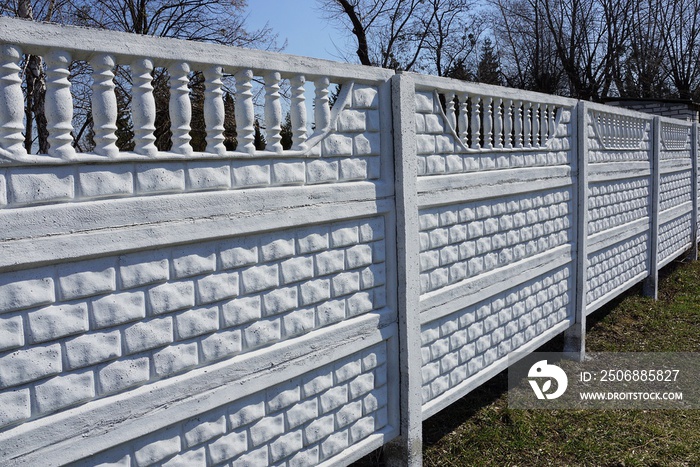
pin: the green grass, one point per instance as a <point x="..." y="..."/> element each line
<point x="480" y="430"/>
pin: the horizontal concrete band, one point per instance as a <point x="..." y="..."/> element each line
<point x="675" y="212"/>
<point x="69" y="232"/>
<point x="443" y="302"/>
<point x="80" y="432"/>
<point x="610" y="171"/>
<point x="607" y="238"/>
<point x="674" y="165"/>
<point x="450" y="189"/>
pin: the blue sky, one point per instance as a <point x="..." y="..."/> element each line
<point x="302" y="24"/>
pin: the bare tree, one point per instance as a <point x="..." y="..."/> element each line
<point x="680" y="21"/>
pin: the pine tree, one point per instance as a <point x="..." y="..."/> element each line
<point x="489" y="68"/>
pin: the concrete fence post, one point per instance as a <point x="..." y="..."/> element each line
<point x="575" y="336"/>
<point x="650" y="287"/>
<point x="407" y="449"/>
<point x="694" y="186"/>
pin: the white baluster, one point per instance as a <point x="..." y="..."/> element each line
<point x="464" y="118"/>
<point x="543" y="124"/>
<point x="488" y="122"/>
<point x="180" y="108"/>
<point x="322" y="110"/>
<point x="527" y="127"/>
<point x="508" y="124"/>
<point x="143" y="108"/>
<point x="535" y="125"/>
<point x="498" y="123"/>
<point x="476" y="122"/>
<point x="59" y="105"/>
<point x="297" y="113"/>
<point x="273" y="112"/>
<point x="214" y="111"/>
<point x="450" y="110"/>
<point x="245" y="115"/>
<point x="104" y="106"/>
<point x="552" y="121"/>
<point x="11" y="102"/>
<point x="519" y="124"/>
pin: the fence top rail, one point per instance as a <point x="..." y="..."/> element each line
<point x="86" y="42"/>
<point x="675" y="121"/>
<point x="614" y="110"/>
<point x="442" y="85"/>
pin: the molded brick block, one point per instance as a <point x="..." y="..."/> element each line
<point x="372" y="229"/>
<point x="328" y="262"/>
<point x="283" y="396"/>
<point x="20" y="290"/>
<point x="30" y="185"/>
<point x="336" y="145"/>
<point x="220" y="345"/>
<point x="259" y="278"/>
<point x="250" y="175"/>
<point x="11" y="332"/>
<point x="29" y="364"/>
<point x="361" y="385"/>
<point x="279" y="300"/>
<point x="319" y="428"/>
<point x="444" y="144"/>
<point x="364" y="97"/>
<point x="362" y="429"/>
<point x="58" y="321"/>
<point x="257" y="457"/>
<point x="330" y="312"/>
<point x="359" y="303"/>
<point x="353" y="169"/>
<point x="345" y="236"/>
<point x="315" y="291"/>
<point x="202" y="428"/>
<point x="348" y="414"/>
<point x="122" y="374"/>
<point x="143" y="269"/>
<point x="302" y="413"/>
<point x="346" y="283"/>
<point x="163" y="178"/>
<point x="288" y="173"/>
<point x="351" y="121"/>
<point x="266" y="429"/>
<point x="217" y="287"/>
<point x="274" y="248"/>
<point x="424" y="102"/>
<point x="92" y="348"/>
<point x="99" y="183"/>
<point x="358" y="256"/>
<point x="85" y="279"/>
<point x="334" y="444"/>
<point x="298" y="322"/>
<point x="286" y="445"/>
<point x="191" y="261"/>
<point x="333" y="398"/>
<point x="15" y="405"/>
<point x="196" y="322"/>
<point x="64" y="390"/>
<point x="320" y="171"/>
<point x="175" y="358"/>
<point x="171" y="297"/>
<point x="425" y="144"/>
<point x="368" y="144"/>
<point x="309" y="242"/>
<point x="208" y="175"/>
<point x="262" y="333"/>
<point x="118" y="308"/>
<point x="297" y="269"/>
<point x="227" y="447"/>
<point x="347" y="371"/>
<point x="306" y="457"/>
<point x="147" y="335"/>
<point x="241" y="310"/>
<point x="314" y="384"/>
<point x="243" y="255"/>
<point x="162" y="445"/>
<point x="193" y="458"/>
<point x="435" y="164"/>
<point x="247" y="411"/>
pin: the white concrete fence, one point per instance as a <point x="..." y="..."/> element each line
<point x="302" y="306"/>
